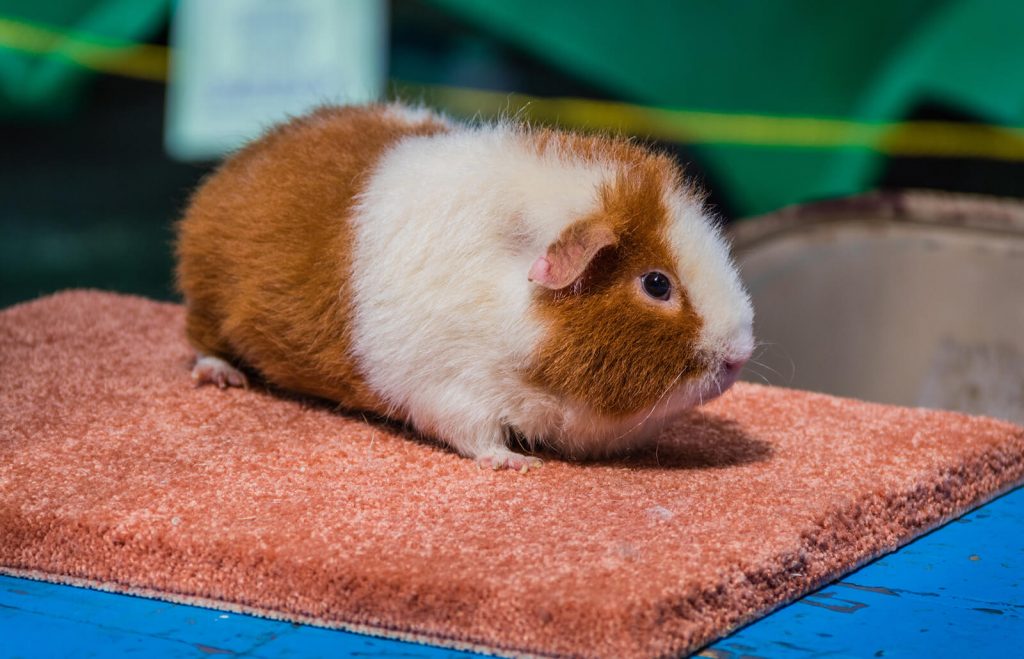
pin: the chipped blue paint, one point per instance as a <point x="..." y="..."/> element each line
<point x="48" y="620"/>
<point x="957" y="592"/>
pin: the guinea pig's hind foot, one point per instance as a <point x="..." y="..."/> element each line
<point x="506" y="459"/>
<point x="217" y="371"/>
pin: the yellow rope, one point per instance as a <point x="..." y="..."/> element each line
<point x="912" y="138"/>
<point x="129" y="59"/>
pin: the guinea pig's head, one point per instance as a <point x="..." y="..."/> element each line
<point x="643" y="310"/>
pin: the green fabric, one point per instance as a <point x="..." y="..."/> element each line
<point x="868" y="60"/>
<point x="51" y="85"/>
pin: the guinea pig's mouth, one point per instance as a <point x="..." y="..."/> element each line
<point x="728" y="373"/>
<point x="720" y="376"/>
<point x="686" y="394"/>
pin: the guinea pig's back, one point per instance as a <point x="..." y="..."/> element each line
<point x="264" y="249"/>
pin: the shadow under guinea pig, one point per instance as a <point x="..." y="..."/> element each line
<point x="697" y="441"/>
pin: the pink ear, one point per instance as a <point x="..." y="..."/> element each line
<point x="567" y="257"/>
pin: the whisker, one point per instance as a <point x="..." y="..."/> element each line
<point x="703" y="414"/>
<point x="760" y="375"/>
<point x="653" y="407"/>
<point x="785" y="353"/>
<point x="763" y="365"/>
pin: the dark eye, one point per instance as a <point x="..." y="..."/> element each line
<point x="656" y="285"/>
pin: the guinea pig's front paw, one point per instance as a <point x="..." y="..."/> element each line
<point x="217" y="371"/>
<point x="505" y="459"/>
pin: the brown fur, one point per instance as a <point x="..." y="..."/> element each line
<point x="265" y="268"/>
<point x="609" y="345"/>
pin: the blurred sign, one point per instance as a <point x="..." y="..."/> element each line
<point x="239" y="66"/>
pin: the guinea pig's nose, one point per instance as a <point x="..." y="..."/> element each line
<point x="733" y="366"/>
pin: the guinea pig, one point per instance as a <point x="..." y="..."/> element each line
<point x="496" y="286"/>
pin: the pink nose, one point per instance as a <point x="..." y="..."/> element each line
<point x="734" y="366"/>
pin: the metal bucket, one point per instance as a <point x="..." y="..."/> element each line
<point x="914" y="298"/>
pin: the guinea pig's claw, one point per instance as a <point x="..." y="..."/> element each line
<point x="218" y="372"/>
<point x="508" y="460"/>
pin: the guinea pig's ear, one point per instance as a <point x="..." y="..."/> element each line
<point x="567" y="257"/>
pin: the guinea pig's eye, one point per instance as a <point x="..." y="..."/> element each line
<point x="656" y="285"/>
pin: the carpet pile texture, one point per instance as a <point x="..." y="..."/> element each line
<point x="117" y="473"/>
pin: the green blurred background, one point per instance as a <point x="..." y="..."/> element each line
<point x="923" y="93"/>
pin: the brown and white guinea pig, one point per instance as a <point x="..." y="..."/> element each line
<point x="489" y="284"/>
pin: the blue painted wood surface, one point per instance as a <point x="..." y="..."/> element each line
<point x="957" y="592"/>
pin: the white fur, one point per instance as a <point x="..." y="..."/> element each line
<point x="413" y="114"/>
<point x="217" y="371"/>
<point x="445" y="234"/>
<point x="711" y="280"/>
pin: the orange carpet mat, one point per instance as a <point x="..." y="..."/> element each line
<point x="117" y="473"/>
